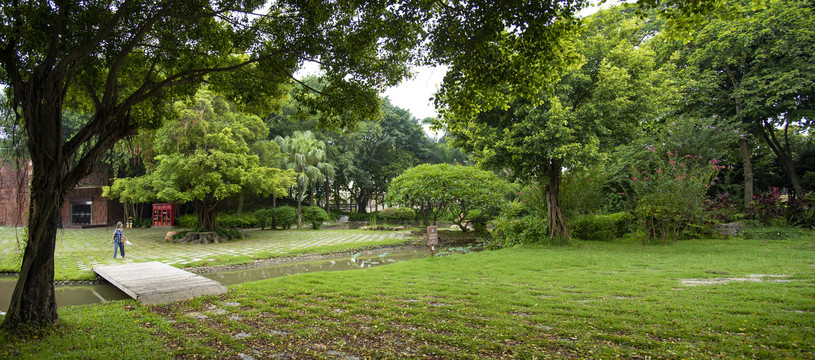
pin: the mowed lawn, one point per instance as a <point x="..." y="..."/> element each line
<point x="700" y="299"/>
<point x="78" y="250"/>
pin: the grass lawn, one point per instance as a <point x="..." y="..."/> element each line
<point x="78" y="250"/>
<point x="593" y="300"/>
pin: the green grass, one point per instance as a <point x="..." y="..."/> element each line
<point x="77" y="250"/>
<point x="593" y="300"/>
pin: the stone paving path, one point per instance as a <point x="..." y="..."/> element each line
<point x="86" y="248"/>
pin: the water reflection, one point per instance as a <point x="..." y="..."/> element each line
<point x="66" y="295"/>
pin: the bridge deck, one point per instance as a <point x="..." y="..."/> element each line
<point x="158" y="283"/>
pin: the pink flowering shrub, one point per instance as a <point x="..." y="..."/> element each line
<point x="671" y="195"/>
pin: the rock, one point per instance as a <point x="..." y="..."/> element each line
<point x="170" y="234"/>
<point x="729" y="229"/>
<point x="343" y="218"/>
<point x="399" y="228"/>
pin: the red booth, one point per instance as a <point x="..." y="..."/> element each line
<point x="163" y="214"/>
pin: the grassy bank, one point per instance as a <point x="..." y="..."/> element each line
<point x="78" y="250"/>
<point x="593" y="300"/>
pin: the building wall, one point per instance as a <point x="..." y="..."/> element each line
<point x="14" y="204"/>
<point x="13" y="194"/>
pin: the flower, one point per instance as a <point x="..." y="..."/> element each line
<point x="635" y="179"/>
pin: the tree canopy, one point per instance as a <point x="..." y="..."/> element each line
<point x="435" y="189"/>
<point x="205" y="156"/>
<point x="755" y="71"/>
<point x="600" y="103"/>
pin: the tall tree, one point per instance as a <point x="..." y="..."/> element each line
<point x="756" y="69"/>
<point x="205" y="156"/>
<point x="597" y="105"/>
<point x="306" y="156"/>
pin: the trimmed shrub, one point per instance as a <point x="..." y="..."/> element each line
<point x="233" y="221"/>
<point x="602" y="227"/>
<point x="354" y="216"/>
<point x="315" y="215"/>
<point x="284" y="217"/>
<point x="265" y="218"/>
<point x="188" y="221"/>
<point x="398" y="214"/>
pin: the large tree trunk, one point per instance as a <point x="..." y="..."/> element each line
<point x="747" y="163"/>
<point x="239" y="211"/>
<point x="33" y="301"/>
<point x="557" y="223"/>
<point x="207" y="215"/>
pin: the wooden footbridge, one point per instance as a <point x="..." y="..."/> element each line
<point x="158" y="283"/>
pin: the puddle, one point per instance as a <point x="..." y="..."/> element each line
<point x="100" y="293"/>
<point x="750" y="278"/>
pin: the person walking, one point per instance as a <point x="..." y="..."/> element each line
<point x="118" y="240"/>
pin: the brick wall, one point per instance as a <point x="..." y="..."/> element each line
<point x="14" y="198"/>
<point x="13" y="194"/>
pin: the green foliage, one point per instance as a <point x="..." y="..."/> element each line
<point x="398" y="214"/>
<point x="434" y="189"/>
<point x="315" y="215"/>
<point x="187" y="221"/>
<point x="530" y="229"/>
<point x="265" y="217"/>
<point x="205" y="158"/>
<point x="356" y="216"/>
<point x="245" y="221"/>
<point x="584" y="192"/>
<point x="756" y="71"/>
<point x="285" y="217"/>
<point x="671" y="193"/>
<point x="602" y="227"/>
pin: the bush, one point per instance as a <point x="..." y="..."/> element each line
<point x="265" y="218"/>
<point x="511" y="232"/>
<point x="315" y="215"/>
<point x="233" y="221"/>
<point x="284" y="217"/>
<point x="401" y="214"/>
<point x="672" y="197"/>
<point x="354" y="216"/>
<point x="188" y="221"/>
<point x="602" y="227"/>
<point x="766" y="206"/>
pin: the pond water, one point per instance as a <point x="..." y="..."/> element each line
<point x="93" y="294"/>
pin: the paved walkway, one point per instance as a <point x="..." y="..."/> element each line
<point x="84" y="249"/>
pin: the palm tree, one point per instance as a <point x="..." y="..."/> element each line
<point x="305" y="155"/>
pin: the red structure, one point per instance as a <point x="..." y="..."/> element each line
<point x="163" y="214"/>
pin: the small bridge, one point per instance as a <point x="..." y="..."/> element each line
<point x="158" y="283"/>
